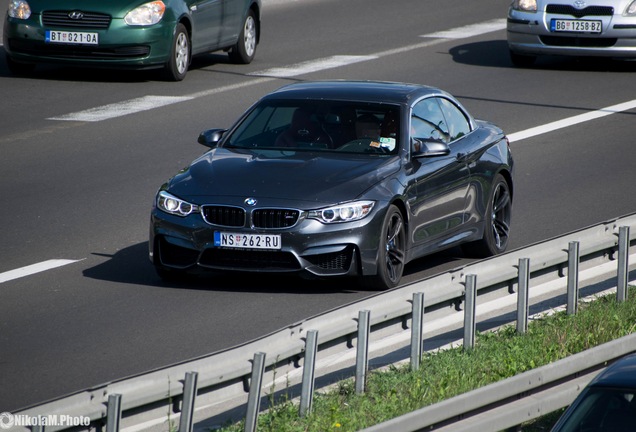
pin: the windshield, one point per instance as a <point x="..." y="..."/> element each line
<point x="326" y="126"/>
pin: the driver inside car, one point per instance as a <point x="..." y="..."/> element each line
<point x="368" y="126"/>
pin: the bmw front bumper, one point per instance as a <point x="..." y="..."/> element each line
<point x="341" y="249"/>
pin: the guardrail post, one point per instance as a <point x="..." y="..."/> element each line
<point x="362" y="352"/>
<point x="623" y="264"/>
<point x="309" y="368"/>
<point x="416" y="330"/>
<point x="113" y="413"/>
<point x="523" y="292"/>
<point x="470" y="307"/>
<point x="573" y="277"/>
<point x="254" y="398"/>
<point x="187" y="404"/>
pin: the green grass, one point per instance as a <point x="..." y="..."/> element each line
<point x="444" y="374"/>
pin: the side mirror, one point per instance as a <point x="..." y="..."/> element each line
<point x="428" y="148"/>
<point x="211" y="137"/>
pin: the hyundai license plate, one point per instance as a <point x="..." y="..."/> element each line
<point x="576" y="26"/>
<point x="247" y="241"/>
<point x="73" y="38"/>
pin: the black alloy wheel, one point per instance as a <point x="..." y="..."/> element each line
<point x="391" y="253"/>
<point x="497" y="226"/>
<point x="501" y="214"/>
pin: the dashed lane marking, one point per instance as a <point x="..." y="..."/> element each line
<point x="313" y="66"/>
<point x="34" y="268"/>
<point x="122" y="108"/>
<point x="571" y="121"/>
<point x="470" y="30"/>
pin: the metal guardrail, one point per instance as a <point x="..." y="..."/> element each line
<point x="222" y="376"/>
<point x="516" y="400"/>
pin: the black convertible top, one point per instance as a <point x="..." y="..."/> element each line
<point x="368" y="91"/>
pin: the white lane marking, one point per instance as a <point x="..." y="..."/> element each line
<point x="34" y="268"/>
<point x="314" y="66"/>
<point x="571" y="121"/>
<point x="230" y="87"/>
<point x="469" y="30"/>
<point x="122" y="108"/>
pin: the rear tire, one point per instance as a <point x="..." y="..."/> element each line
<point x="179" y="62"/>
<point x="497" y="222"/>
<point x="245" y="49"/>
<point x="391" y="251"/>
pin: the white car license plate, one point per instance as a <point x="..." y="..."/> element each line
<point x="576" y="26"/>
<point x="73" y="38"/>
<point x="247" y="241"/>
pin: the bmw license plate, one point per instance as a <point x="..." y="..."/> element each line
<point x="247" y="241"/>
<point x="576" y="26"/>
<point x="73" y="38"/>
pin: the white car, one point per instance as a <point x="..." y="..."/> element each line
<point x="571" y="27"/>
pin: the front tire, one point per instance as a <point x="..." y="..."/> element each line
<point x="391" y="251"/>
<point x="245" y="49"/>
<point x="179" y="62"/>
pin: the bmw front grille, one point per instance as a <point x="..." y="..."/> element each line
<point x="266" y="218"/>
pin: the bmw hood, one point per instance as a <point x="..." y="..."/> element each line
<point x="228" y="175"/>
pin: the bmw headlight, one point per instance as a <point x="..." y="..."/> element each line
<point x="343" y="213"/>
<point x="146" y="14"/>
<point x="525" y="5"/>
<point x="173" y="205"/>
<point x="631" y="9"/>
<point x="19" y="9"/>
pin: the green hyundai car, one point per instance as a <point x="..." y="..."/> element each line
<point x="136" y="34"/>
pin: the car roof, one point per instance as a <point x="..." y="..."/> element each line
<point x="621" y="373"/>
<point x="367" y="91"/>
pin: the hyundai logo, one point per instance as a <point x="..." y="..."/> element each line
<point x="76" y="15"/>
<point x="250" y="201"/>
<point x="579" y="4"/>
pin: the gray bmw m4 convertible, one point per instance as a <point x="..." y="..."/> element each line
<point x="337" y="178"/>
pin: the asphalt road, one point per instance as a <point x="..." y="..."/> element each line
<point x="81" y="190"/>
